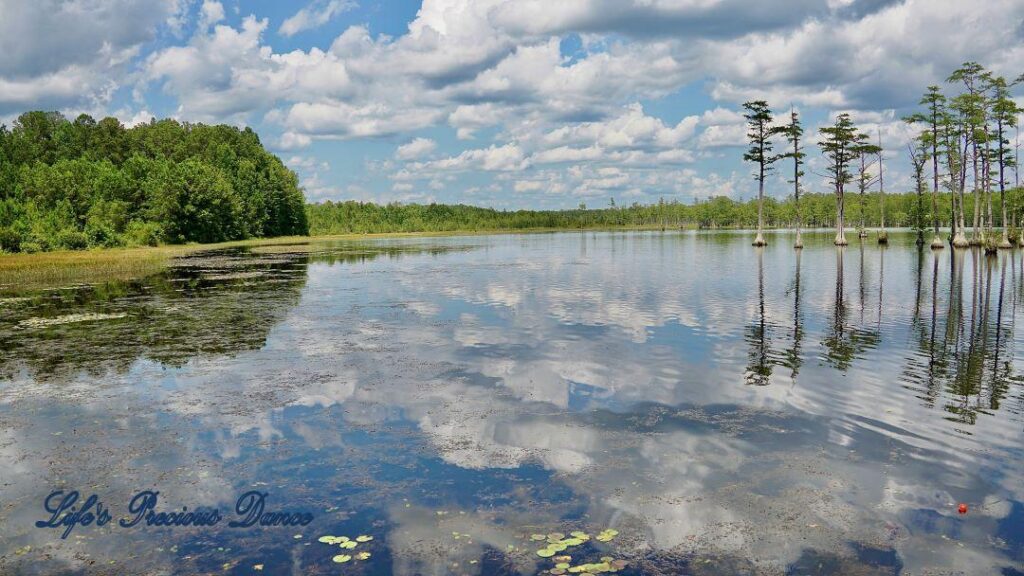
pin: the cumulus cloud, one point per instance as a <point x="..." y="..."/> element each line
<point x="58" y="54"/>
<point x="418" y="148"/>
<point x="883" y="58"/>
<point x="537" y="84"/>
<point x="314" y="15"/>
<point x="491" y="159"/>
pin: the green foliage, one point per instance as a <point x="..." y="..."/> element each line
<point x="841" y="145"/>
<point x="818" y="210"/>
<point x="760" y="132"/>
<point x="82" y="183"/>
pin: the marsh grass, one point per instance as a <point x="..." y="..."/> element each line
<point x="20" y="272"/>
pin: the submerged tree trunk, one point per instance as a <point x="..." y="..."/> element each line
<point x="960" y="238"/>
<point x="976" y="238"/>
<point x="759" y="240"/>
<point x="937" y="243"/>
<point x="883" y="236"/>
<point x="1005" y="242"/>
<point x="840" y="219"/>
<point x="796" y="193"/>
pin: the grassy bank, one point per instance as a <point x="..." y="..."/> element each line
<point x="61" y="268"/>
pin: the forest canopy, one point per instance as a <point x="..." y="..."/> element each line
<point x="86" y="183"/>
<point x="817" y="209"/>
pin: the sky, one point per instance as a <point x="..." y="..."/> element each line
<point x="505" y="103"/>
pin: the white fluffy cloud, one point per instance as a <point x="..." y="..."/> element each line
<point x="314" y="15"/>
<point x="491" y="159"/>
<point x="883" y="59"/>
<point x="72" y="53"/>
<point x="535" y="84"/>
<point x="418" y="148"/>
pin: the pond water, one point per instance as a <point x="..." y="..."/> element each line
<point x="726" y="410"/>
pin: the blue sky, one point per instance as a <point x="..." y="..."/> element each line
<point x="505" y="103"/>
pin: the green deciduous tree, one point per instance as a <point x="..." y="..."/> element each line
<point x="87" y="183"/>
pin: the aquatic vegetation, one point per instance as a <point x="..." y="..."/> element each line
<point x="13" y="300"/>
<point x="234" y="276"/>
<point x="68" y="319"/>
<point x="557" y="542"/>
<point x="346" y="543"/>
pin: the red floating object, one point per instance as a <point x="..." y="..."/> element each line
<point x="962" y="509"/>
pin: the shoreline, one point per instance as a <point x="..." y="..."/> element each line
<point x="20" y="271"/>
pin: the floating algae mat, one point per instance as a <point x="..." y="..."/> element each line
<point x="69" y="319"/>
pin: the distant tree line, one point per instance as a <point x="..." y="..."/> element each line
<point x="817" y="210"/>
<point x="82" y="183"/>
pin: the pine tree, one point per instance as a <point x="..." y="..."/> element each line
<point x="971" y="108"/>
<point x="759" y="123"/>
<point x="864" y="150"/>
<point x="839" y="145"/>
<point x="793" y="132"/>
<point x="935" y="103"/>
<point x="1004" y="114"/>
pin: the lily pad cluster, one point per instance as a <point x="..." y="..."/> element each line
<point x="346" y="543"/>
<point x="558" y="542"/>
<point x="606" y="565"/>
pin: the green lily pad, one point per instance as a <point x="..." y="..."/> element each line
<point x="364" y="538"/>
<point x="545" y="552"/>
<point x="363" y="556"/>
<point x="341" y="558"/>
<point x="348" y="545"/>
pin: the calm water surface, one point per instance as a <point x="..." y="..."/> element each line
<point x="726" y="410"/>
